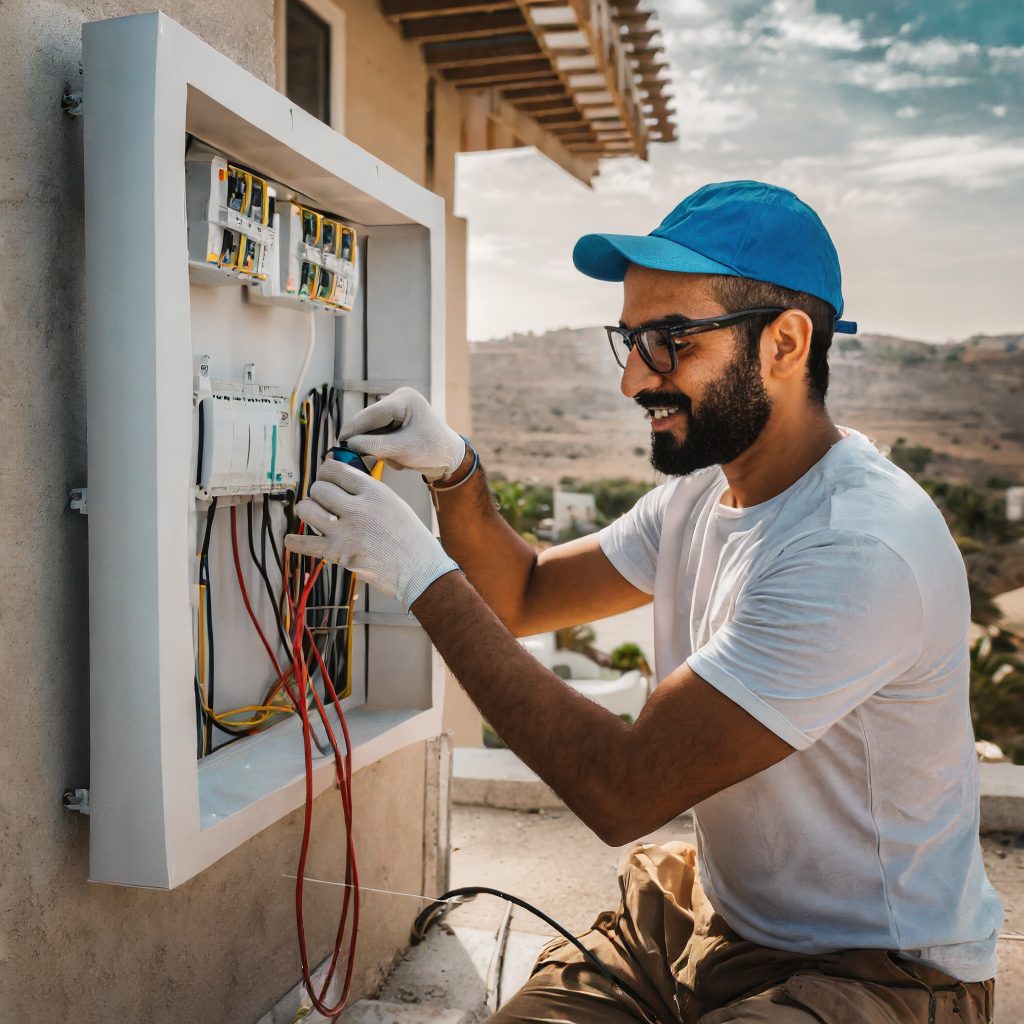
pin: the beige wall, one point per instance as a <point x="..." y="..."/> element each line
<point x="221" y="947"/>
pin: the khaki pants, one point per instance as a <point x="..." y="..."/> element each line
<point x="689" y="966"/>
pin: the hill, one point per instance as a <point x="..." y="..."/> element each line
<point x="548" y="406"/>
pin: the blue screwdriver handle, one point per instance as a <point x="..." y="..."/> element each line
<point x="349" y="457"/>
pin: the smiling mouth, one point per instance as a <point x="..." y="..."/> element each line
<point x="661" y="412"/>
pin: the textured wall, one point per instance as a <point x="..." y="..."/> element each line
<point x="221" y="947"/>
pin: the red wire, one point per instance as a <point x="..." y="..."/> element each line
<point x="343" y="771"/>
<point x="248" y="607"/>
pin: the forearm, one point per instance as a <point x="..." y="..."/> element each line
<point x="581" y="750"/>
<point x="497" y="561"/>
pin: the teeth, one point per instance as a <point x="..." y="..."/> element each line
<point x="661" y="413"/>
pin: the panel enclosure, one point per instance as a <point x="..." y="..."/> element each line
<point x="159" y="815"/>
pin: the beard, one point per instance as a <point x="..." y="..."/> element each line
<point x="732" y="414"/>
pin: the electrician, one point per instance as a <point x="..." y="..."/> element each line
<point x="810" y="616"/>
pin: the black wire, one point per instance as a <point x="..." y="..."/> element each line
<point x="199" y="459"/>
<point x="261" y="566"/>
<point x="289" y="504"/>
<point x="200" y="718"/>
<point x="433" y="912"/>
<point x="204" y="579"/>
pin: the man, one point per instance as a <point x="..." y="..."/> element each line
<point x="810" y="612"/>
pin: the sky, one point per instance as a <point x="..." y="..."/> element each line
<point x="901" y="123"/>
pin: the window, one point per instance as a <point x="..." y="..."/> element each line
<point x="311" y="57"/>
<point x="308" y="60"/>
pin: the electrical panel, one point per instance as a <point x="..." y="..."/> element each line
<point x="225" y="349"/>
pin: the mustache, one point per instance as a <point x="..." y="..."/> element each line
<point x="653" y="399"/>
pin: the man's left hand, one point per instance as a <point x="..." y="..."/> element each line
<point x="366" y="527"/>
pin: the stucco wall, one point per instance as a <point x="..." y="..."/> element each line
<point x="221" y="947"/>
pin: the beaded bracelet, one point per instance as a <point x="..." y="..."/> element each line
<point x="472" y="469"/>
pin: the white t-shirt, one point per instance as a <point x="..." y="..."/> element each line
<point x="836" y="614"/>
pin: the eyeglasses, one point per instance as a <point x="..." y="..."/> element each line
<point x="657" y="342"/>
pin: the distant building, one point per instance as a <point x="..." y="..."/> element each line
<point x="1014" y="504"/>
<point x="574" y="513"/>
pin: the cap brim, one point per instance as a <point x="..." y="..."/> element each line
<point x="607" y="257"/>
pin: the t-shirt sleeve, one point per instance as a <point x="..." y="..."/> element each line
<point x="827" y="625"/>
<point x="631" y="542"/>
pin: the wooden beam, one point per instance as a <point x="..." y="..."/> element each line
<point x="637" y="18"/>
<point x="489" y="105"/>
<point x="533" y="91"/>
<point x="640" y="39"/>
<point x="399" y="10"/>
<point x="504" y="71"/>
<point x="464" y="26"/>
<point x="551" y="120"/>
<point x="479" y="51"/>
<point x="550" y="106"/>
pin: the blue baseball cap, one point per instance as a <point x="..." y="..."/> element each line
<point x="738" y="228"/>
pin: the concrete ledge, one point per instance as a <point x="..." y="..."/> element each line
<point x="497" y="778"/>
<point x="1002" y="797"/>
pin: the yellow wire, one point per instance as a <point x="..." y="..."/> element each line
<point x="268" y="710"/>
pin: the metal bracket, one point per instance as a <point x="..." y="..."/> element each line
<point x="72" y="104"/>
<point x="76" y="800"/>
<point x="382" y="386"/>
<point x="80" y="500"/>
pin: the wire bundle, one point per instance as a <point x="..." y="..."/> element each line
<point x="312" y="607"/>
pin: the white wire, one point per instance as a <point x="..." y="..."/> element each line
<point x="366" y="888"/>
<point x="305" y="364"/>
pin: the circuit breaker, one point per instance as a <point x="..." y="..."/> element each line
<point x="317" y="260"/>
<point x="230" y="213"/>
<point x="245" y="439"/>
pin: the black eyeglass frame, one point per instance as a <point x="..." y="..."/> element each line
<point x="670" y="330"/>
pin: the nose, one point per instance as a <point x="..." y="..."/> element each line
<point x="638" y="376"/>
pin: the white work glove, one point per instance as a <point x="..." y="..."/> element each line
<point x="370" y="530"/>
<point x="405" y="431"/>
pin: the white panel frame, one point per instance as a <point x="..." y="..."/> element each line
<point x="147" y="82"/>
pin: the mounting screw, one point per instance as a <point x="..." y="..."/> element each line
<point x="76" y="800"/>
<point x="79" y="500"/>
<point x="71" y="103"/>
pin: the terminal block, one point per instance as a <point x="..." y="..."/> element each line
<point x="246" y="443"/>
<point x="230" y="213"/>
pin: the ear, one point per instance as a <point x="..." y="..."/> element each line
<point x="788" y="342"/>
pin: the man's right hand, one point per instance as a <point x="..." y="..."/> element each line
<point x="406" y="433"/>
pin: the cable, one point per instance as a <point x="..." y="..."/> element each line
<point x="434" y="911"/>
<point x="260" y="564"/>
<point x="343" y="770"/>
<point x="310" y="344"/>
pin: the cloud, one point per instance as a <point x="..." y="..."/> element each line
<point x="494" y="248"/>
<point x="932" y="54"/>
<point x="798" y="21"/>
<point x="903" y="131"/>
<point x="881" y="77"/>
<point x="971" y="162"/>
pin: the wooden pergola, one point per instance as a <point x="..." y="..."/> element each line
<point x="579" y="79"/>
